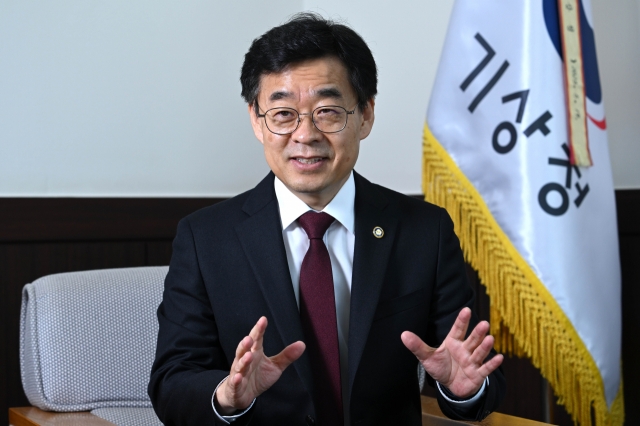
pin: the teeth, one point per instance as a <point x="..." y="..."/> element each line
<point x="308" y="160"/>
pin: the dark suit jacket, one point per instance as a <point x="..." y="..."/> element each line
<point x="229" y="267"/>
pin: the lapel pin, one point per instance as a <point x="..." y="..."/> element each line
<point x="378" y="232"/>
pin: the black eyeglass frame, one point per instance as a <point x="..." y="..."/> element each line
<point x="306" y="113"/>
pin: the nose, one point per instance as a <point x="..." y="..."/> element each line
<point x="306" y="131"/>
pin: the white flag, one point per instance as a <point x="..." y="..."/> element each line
<point x="541" y="232"/>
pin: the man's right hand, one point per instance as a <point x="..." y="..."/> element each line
<point x="252" y="372"/>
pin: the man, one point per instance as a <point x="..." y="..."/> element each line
<point x="344" y="279"/>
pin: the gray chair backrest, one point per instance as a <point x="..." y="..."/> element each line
<point x="87" y="339"/>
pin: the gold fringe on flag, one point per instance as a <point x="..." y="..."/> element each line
<point x="525" y="318"/>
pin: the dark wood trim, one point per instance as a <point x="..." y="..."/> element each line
<point x="628" y="207"/>
<point x="90" y="219"/>
<point x="87" y="219"/>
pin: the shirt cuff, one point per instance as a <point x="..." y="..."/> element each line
<point x="464" y="403"/>
<point x="227" y="419"/>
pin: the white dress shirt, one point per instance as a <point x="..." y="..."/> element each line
<point x="340" y="241"/>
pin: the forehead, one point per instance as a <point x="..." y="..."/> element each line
<point x="308" y="80"/>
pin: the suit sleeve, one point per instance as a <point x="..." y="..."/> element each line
<point x="189" y="361"/>
<point x="453" y="293"/>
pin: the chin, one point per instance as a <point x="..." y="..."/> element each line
<point x="307" y="188"/>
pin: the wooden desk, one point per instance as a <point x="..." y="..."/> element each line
<point x="31" y="416"/>
<point x="431" y="416"/>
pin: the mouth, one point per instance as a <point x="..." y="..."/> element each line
<point x="312" y="160"/>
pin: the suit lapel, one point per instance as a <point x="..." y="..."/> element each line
<point x="261" y="238"/>
<point x="370" y="260"/>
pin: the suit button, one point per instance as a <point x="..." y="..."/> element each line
<point x="310" y="420"/>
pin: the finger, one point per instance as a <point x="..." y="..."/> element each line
<point x="459" y="329"/>
<point x="477" y="336"/>
<point x="239" y="369"/>
<point x="239" y="372"/>
<point x="234" y="384"/>
<point x="420" y="349"/>
<point x="480" y="353"/>
<point x="236" y="375"/>
<point x="257" y="333"/>
<point x="490" y="366"/>
<point x="231" y="390"/>
<point x="243" y="366"/>
<point x="243" y="347"/>
<point x="288" y="355"/>
<point x="225" y="392"/>
<point x="235" y="381"/>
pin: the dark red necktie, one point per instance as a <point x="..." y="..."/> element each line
<point x="318" y="317"/>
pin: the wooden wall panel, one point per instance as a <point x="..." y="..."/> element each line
<point x="630" y="262"/>
<point x="158" y="253"/>
<point x="628" y="203"/>
<point x="44" y="236"/>
<point x="94" y="219"/>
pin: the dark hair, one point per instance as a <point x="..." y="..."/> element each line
<point x="309" y="36"/>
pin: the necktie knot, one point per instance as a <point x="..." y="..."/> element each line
<point x="315" y="224"/>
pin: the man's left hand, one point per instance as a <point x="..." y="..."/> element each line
<point x="458" y="363"/>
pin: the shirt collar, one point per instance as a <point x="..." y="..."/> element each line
<point x="341" y="207"/>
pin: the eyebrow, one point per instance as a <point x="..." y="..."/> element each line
<point x="329" y="92"/>
<point x="280" y="94"/>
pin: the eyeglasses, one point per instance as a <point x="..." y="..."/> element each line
<point x="327" y="119"/>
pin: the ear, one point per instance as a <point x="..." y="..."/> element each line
<point x="256" y="123"/>
<point x="368" y="116"/>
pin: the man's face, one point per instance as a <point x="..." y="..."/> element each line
<point x="312" y="164"/>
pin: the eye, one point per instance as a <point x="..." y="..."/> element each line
<point x="282" y="115"/>
<point x="327" y="111"/>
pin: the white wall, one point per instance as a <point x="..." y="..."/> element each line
<point x="128" y="97"/>
<point x="617" y="27"/>
<point x="406" y="38"/>
<point x="141" y="98"/>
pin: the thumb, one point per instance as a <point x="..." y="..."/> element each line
<point x="420" y="349"/>
<point x="288" y="355"/>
